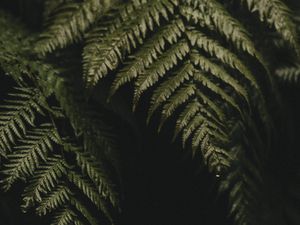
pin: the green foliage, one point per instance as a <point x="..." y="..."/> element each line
<point x="66" y="22"/>
<point x="198" y="62"/>
<point x="36" y="151"/>
<point x="17" y="113"/>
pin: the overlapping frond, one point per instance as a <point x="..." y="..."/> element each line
<point x="108" y="52"/>
<point x="59" y="179"/>
<point x="94" y="170"/>
<point x="67" y="22"/>
<point x="199" y="72"/>
<point x="244" y="195"/>
<point x="29" y="153"/>
<point x="50" y="176"/>
<point x="197" y="62"/>
<point x="214" y="16"/>
<point x="17" y="113"/>
<point x="278" y="15"/>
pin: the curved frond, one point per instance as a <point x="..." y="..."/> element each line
<point x="96" y="172"/>
<point x="57" y="198"/>
<point x="157" y="70"/>
<point x="89" y="190"/>
<point x="45" y="179"/>
<point x="213" y="15"/>
<point x="17" y="114"/>
<point x="105" y="55"/>
<point x="215" y="49"/>
<point x="279" y="16"/>
<point x="67" y="23"/>
<point x="148" y="53"/>
<point x="29" y="154"/>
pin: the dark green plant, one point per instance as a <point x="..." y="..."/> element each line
<point x="208" y="65"/>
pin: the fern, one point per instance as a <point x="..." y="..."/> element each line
<point x="32" y="150"/>
<point x="193" y="72"/>
<point x="17" y="113"/>
<point x="278" y="15"/>
<point x="117" y="44"/>
<point x="217" y="18"/>
<point x="59" y="196"/>
<point x="67" y="22"/>
<point x="198" y="63"/>
<point x="40" y="156"/>
<point x="94" y="170"/>
<point x="45" y="179"/>
<point x="289" y="74"/>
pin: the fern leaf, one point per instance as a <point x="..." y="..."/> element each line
<point x="277" y="14"/>
<point x="44" y="180"/>
<point x="96" y="172"/>
<point x="164" y="91"/>
<point x="201" y="78"/>
<point x="243" y="184"/>
<point x="84" y="211"/>
<point x="57" y="198"/>
<point x="51" y="5"/>
<point x="148" y="53"/>
<point x="89" y="190"/>
<point x="212" y="14"/>
<point x="217" y="159"/>
<point x="157" y="70"/>
<point x="208" y="66"/>
<point x="67" y="23"/>
<point x="197" y="121"/>
<point x="186" y="115"/>
<point x="33" y="150"/>
<point x="18" y="112"/>
<point x="178" y="98"/>
<point x="65" y="216"/>
<point x="227" y="57"/>
<point x="104" y="56"/>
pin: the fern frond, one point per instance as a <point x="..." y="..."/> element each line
<point x="278" y="15"/>
<point x="105" y="55"/>
<point x="164" y="91"/>
<point x="191" y="109"/>
<point x="157" y="70"/>
<point x="67" y="23"/>
<point x="57" y="198"/>
<point x="178" y="98"/>
<point x="27" y="156"/>
<point x="290" y="74"/>
<point x="44" y="180"/>
<point x="215" y="49"/>
<point x="148" y="53"/>
<point x="84" y="211"/>
<point x="206" y="82"/>
<point x="17" y="113"/>
<point x="89" y="190"/>
<point x="213" y="15"/>
<point x="243" y="186"/>
<point x="40" y="158"/>
<point x="65" y="216"/>
<point x="214" y="69"/>
<point x="96" y="172"/>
